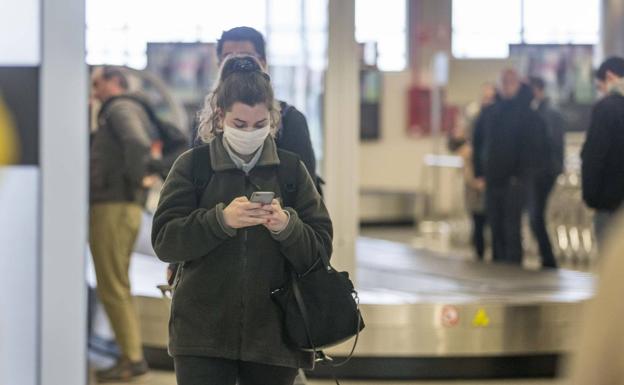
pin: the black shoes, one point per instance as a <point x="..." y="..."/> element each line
<point x="123" y="371"/>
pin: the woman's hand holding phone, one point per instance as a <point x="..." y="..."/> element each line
<point x="277" y="217"/>
<point x="243" y="213"/>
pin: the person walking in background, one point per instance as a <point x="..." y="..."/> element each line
<point x="545" y="175"/>
<point x="120" y="153"/>
<point x="603" y="151"/>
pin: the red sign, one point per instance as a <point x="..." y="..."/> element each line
<point x="449" y="316"/>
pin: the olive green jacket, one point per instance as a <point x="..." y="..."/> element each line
<point x="222" y="306"/>
<point x="120" y="153"/>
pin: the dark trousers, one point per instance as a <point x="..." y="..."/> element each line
<point x="539" y="191"/>
<point x="505" y="202"/>
<point x="191" y="370"/>
<point x="478" y="233"/>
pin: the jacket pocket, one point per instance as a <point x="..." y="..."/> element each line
<point x="176" y="283"/>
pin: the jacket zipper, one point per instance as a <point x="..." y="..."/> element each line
<point x="244" y="275"/>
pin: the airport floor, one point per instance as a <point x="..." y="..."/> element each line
<point x="168" y="378"/>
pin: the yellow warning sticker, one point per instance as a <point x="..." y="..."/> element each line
<point x="481" y="319"/>
<point x="8" y="135"/>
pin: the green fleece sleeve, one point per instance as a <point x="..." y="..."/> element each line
<point x="181" y="231"/>
<point x="309" y="232"/>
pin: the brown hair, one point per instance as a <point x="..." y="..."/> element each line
<point x="112" y="72"/>
<point x="241" y="80"/>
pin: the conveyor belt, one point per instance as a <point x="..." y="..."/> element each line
<point x="434" y="317"/>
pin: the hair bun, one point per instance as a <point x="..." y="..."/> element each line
<point x="241" y="64"/>
<point x="245" y="64"/>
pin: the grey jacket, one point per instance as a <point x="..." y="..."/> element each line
<point x="222" y="305"/>
<point x="120" y="152"/>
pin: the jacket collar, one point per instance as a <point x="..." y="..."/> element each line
<point x="221" y="160"/>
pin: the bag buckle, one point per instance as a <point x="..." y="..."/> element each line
<point x="320" y="356"/>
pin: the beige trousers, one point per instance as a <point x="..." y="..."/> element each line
<point x="113" y="229"/>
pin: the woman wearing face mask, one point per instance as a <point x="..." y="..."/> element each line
<point x="224" y="326"/>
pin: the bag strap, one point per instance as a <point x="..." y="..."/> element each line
<point x="201" y="174"/>
<point x="201" y="171"/>
<point x="306" y="323"/>
<point x="149" y="110"/>
<point x="284" y="110"/>
<point x="287" y="172"/>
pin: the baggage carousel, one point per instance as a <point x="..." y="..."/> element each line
<point x="427" y="316"/>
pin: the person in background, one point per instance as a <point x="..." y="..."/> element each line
<point x="506" y="151"/>
<point x="120" y="153"/>
<point x="603" y="155"/>
<point x="473" y="193"/>
<point x="474" y="188"/>
<point x="225" y="328"/>
<point x="545" y="176"/>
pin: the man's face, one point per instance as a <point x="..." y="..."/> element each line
<point x="510" y="84"/>
<point x="538" y="93"/>
<point x="602" y="87"/>
<point x="605" y="85"/>
<point x="488" y="94"/>
<point x="240" y="48"/>
<point x="103" y="89"/>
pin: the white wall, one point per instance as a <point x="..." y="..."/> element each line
<point x="19" y="300"/>
<point x="466" y="76"/>
<point x="395" y="162"/>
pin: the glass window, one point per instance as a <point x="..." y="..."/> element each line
<point x="475" y="34"/>
<point x="577" y="21"/>
<point x="384" y="23"/>
<point x="118" y="31"/>
<point x="296" y="32"/>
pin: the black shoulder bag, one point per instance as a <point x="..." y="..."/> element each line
<point x="321" y="306"/>
<point x="321" y="309"/>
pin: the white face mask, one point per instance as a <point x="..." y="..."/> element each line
<point x="245" y="142"/>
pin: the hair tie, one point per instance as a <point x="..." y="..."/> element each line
<point x="243" y="65"/>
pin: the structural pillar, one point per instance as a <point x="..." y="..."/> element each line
<point x="342" y="131"/>
<point x="64" y="194"/>
<point x="612" y="28"/>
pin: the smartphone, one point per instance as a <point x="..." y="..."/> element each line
<point x="264" y="197"/>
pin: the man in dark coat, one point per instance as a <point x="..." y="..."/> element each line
<point x="603" y="151"/>
<point x="506" y="152"/>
